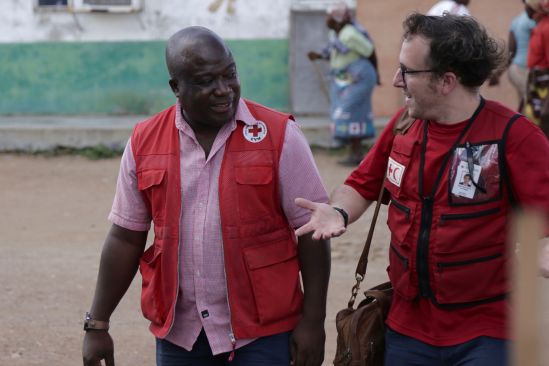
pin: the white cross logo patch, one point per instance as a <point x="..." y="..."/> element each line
<point x="255" y="133"/>
<point x="395" y="171"/>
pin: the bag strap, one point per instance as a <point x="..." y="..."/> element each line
<point x="402" y="125"/>
<point x="360" y="271"/>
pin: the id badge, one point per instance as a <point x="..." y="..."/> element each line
<point x="475" y="174"/>
<point x="463" y="185"/>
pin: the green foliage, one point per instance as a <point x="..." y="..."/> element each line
<point x="96" y="152"/>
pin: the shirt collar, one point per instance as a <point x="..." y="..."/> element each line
<point x="243" y="115"/>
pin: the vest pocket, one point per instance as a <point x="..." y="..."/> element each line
<point x="470" y="280"/>
<point x="472" y="230"/>
<point x="274" y="276"/>
<point x="255" y="191"/>
<point x="149" y="183"/>
<point x="400" y="273"/>
<point x="399" y="161"/>
<point x="399" y="219"/>
<point x="150" y="266"/>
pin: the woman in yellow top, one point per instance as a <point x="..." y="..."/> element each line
<point x="353" y="69"/>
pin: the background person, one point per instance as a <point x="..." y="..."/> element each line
<point x="517" y="45"/>
<point x="353" y="70"/>
<point x="537" y="106"/>
<point x="217" y="175"/>
<point x="448" y="263"/>
<point x="455" y="7"/>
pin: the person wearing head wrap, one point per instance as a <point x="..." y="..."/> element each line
<point x="353" y="71"/>
<point x="456" y="7"/>
<point x="537" y="104"/>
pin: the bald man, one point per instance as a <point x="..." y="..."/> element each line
<point x="217" y="175"/>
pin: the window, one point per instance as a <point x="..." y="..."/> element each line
<point x="52" y="3"/>
<point x="107" y="5"/>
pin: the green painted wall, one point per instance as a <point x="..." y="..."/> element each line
<point x="122" y="77"/>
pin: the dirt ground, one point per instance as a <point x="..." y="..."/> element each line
<point x="53" y="225"/>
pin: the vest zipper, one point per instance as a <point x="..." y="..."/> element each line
<point x="231" y="332"/>
<point x="471" y="215"/>
<point x="233" y="341"/>
<point x="428" y="202"/>
<point x="423" y="247"/>
<point x="178" y="270"/>
<point x="443" y="265"/>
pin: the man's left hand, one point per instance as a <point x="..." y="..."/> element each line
<point x="544" y="258"/>
<point x="307" y="343"/>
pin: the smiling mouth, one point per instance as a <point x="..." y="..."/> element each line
<point x="221" y="107"/>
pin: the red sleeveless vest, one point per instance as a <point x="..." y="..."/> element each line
<point x="449" y="246"/>
<point x="260" y="252"/>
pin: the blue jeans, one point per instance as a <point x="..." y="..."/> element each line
<point x="401" y="350"/>
<point x="266" y="351"/>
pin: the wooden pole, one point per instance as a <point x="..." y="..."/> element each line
<point x="526" y="300"/>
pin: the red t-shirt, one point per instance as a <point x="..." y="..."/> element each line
<point x="526" y="153"/>
<point x="538" y="46"/>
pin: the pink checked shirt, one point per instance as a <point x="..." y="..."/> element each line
<point x="202" y="301"/>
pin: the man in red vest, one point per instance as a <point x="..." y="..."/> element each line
<point x="217" y="175"/>
<point x="448" y="259"/>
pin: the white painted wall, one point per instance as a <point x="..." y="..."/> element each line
<point x="158" y="19"/>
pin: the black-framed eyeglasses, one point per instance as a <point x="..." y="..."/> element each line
<point x="404" y="71"/>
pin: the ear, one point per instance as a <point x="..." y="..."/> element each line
<point x="174" y="86"/>
<point x="449" y="82"/>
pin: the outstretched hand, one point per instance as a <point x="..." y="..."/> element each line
<point x="325" y="222"/>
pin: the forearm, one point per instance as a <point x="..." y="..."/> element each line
<point x="118" y="266"/>
<point x="544" y="257"/>
<point x="351" y="201"/>
<point x="314" y="259"/>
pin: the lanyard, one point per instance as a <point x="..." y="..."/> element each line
<point x="446" y="157"/>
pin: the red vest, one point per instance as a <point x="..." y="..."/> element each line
<point x="449" y="244"/>
<point x="260" y="251"/>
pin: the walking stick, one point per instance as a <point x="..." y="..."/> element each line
<point x="320" y="77"/>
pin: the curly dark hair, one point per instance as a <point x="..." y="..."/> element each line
<point x="458" y="44"/>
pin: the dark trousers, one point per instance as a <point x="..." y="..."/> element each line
<point x="266" y="351"/>
<point x="401" y="350"/>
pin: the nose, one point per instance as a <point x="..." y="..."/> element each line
<point x="222" y="86"/>
<point x="398" y="81"/>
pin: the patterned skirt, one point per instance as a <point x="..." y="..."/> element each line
<point x="351" y="100"/>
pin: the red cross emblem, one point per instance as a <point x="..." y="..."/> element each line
<point x="255" y="130"/>
<point x="255" y="133"/>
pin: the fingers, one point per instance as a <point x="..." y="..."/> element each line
<point x="293" y="352"/>
<point x="305" y="229"/>
<point x="92" y="363"/>
<point x="305" y="203"/>
<point x="319" y="233"/>
<point x="109" y="360"/>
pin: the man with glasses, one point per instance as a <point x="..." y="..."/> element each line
<point x="448" y="261"/>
